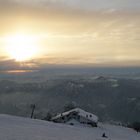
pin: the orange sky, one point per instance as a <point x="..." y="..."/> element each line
<point x="71" y="33"/>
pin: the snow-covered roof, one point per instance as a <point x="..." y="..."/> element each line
<point x="80" y="112"/>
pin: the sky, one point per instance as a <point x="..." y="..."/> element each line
<point x="94" y="33"/>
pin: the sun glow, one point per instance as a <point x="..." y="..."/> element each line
<point x="21" y="47"/>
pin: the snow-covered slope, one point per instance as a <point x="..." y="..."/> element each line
<point x="17" y="128"/>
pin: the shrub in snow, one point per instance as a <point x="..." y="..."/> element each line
<point x="136" y="126"/>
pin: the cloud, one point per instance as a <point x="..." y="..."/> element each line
<point x="104" y="34"/>
<point x="91" y="4"/>
<point x="11" y="65"/>
<point x="79" y="4"/>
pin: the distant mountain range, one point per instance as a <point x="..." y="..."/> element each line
<point x="112" y="98"/>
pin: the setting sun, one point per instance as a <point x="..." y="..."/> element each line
<point x="21" y="47"/>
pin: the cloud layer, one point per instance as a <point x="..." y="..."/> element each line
<point x="88" y="32"/>
<point x="81" y="4"/>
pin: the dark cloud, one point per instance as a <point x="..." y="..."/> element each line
<point x="9" y="65"/>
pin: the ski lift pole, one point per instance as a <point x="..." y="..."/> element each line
<point x="33" y="109"/>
